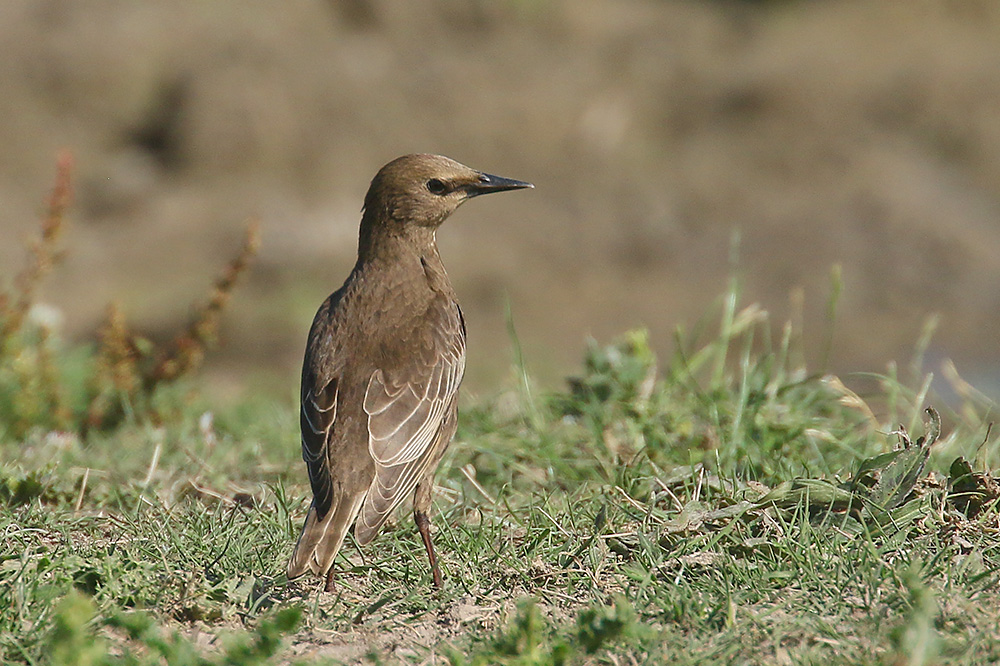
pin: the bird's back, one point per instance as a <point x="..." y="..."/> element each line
<point x="402" y="325"/>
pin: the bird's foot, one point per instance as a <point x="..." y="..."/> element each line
<point x="329" y="586"/>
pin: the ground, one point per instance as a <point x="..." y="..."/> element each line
<point x="725" y="507"/>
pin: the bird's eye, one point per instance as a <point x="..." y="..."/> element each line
<point x="435" y="186"/>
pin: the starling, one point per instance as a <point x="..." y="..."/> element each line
<point x="383" y="362"/>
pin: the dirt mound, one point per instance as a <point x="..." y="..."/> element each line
<point x="864" y="134"/>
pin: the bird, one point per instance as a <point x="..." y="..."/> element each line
<point x="383" y="363"/>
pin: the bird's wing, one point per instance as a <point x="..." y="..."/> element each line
<point x="321" y="374"/>
<point x="405" y="414"/>
<point x="316" y="418"/>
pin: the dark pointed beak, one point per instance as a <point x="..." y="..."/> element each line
<point x="489" y="183"/>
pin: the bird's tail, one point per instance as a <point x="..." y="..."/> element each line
<point x="322" y="538"/>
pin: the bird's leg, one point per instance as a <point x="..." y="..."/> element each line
<point x="421" y="504"/>
<point x="329" y="581"/>
<point x="424" y="525"/>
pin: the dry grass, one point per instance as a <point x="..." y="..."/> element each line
<point x="46" y="383"/>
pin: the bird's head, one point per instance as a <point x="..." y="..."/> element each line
<point x="423" y="190"/>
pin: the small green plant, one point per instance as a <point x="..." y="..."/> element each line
<point x="530" y="640"/>
<point x="75" y="640"/>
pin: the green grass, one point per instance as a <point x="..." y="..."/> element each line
<point x="726" y="506"/>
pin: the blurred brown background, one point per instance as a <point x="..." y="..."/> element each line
<point x="856" y="132"/>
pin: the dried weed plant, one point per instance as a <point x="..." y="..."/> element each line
<point x="130" y="368"/>
<point x="123" y="373"/>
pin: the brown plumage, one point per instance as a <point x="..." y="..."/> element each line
<point x="383" y="363"/>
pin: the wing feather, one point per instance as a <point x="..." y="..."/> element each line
<point x="316" y="418"/>
<point x="400" y="432"/>
<point x="405" y="418"/>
